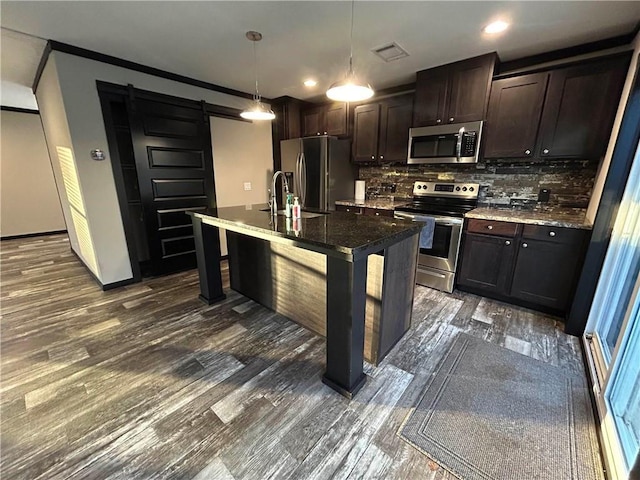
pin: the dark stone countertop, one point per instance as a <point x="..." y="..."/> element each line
<point x="376" y="203"/>
<point x="552" y="217"/>
<point x="339" y="234"/>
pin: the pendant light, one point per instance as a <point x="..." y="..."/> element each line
<point x="349" y="89"/>
<point x="257" y="110"/>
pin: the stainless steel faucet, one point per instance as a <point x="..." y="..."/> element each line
<point x="273" y="203"/>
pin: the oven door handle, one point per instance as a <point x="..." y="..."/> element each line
<point x="445" y="221"/>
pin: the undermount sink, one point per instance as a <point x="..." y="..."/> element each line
<point x="303" y="214"/>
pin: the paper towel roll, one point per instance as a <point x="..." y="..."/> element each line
<point x="360" y="190"/>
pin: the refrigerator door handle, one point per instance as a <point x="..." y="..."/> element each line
<point x="296" y="177"/>
<point x="303" y="178"/>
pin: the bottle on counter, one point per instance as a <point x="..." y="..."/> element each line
<point x="297" y="212"/>
<point x="289" y="205"/>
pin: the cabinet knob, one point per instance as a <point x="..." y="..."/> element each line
<point x="381" y="157"/>
<point x="489" y="227"/>
<point x="377" y="214"/>
<point x="545" y="151"/>
<point x="439" y="120"/>
<point x="527" y="152"/>
<point x="373" y="157"/>
<point x="552" y="234"/>
<point x="507" y="242"/>
<point x="524" y="245"/>
<point x="325" y="133"/>
<point x="451" y="120"/>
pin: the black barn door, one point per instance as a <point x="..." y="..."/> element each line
<point x="172" y="148"/>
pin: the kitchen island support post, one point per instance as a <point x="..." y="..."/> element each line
<point x="346" y="300"/>
<point x="207" y="241"/>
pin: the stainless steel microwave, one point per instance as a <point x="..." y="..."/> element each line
<point x="453" y="143"/>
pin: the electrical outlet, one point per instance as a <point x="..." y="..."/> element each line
<point x="543" y="195"/>
<point x="247" y="186"/>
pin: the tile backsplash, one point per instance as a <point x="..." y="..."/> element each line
<point x="501" y="182"/>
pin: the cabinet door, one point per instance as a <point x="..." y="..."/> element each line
<point x="545" y="272"/>
<point x="470" y="82"/>
<point x="515" y="107"/>
<point x="313" y="121"/>
<point x="430" y="97"/>
<point x="336" y="119"/>
<point x="365" y="132"/>
<point x="580" y="107"/>
<point x="395" y="121"/>
<point x="487" y="262"/>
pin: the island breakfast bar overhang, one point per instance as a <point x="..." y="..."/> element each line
<point x="345" y="239"/>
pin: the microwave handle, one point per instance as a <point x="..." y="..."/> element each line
<point x="459" y="144"/>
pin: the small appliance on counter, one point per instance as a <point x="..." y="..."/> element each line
<point x="447" y="203"/>
<point x="360" y="191"/>
<point x="320" y="168"/>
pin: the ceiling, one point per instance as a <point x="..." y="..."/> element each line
<point x="206" y="40"/>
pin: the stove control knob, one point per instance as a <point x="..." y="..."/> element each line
<point x="464" y="189"/>
<point x="471" y="189"/>
<point x="457" y="189"/>
<point x="418" y="187"/>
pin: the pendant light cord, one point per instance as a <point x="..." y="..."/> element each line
<point x="256" y="97"/>
<point x="353" y="2"/>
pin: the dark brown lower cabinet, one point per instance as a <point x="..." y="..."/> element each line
<point x="487" y="263"/>
<point x="537" y="266"/>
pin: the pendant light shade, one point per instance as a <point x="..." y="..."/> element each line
<point x="257" y="110"/>
<point x="350" y="89"/>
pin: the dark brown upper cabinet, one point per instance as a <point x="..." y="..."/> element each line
<point x="563" y="113"/>
<point x="366" y="121"/>
<point x="580" y="107"/>
<point x="328" y="119"/>
<point x="453" y="93"/>
<point x="287" y="122"/>
<point x="515" y="107"/>
<point x="381" y="130"/>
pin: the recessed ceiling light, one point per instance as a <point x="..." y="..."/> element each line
<point x="310" y="82"/>
<point x="496" y="27"/>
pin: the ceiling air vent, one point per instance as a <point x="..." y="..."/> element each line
<point x="390" y="52"/>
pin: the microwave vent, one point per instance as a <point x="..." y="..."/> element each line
<point x="390" y="52"/>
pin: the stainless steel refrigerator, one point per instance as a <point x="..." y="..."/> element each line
<point x="319" y="170"/>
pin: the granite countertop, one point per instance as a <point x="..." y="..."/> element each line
<point x="377" y="203"/>
<point x="553" y="217"/>
<point x="339" y="234"/>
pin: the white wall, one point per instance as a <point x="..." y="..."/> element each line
<point x="242" y="152"/>
<point x="604" y="165"/>
<point x="77" y="77"/>
<point x="29" y="201"/>
<point x="54" y="122"/>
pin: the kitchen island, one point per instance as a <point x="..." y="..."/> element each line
<point x="358" y="270"/>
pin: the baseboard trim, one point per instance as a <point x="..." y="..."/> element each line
<point x="103" y="286"/>
<point x="30" y="235"/>
<point x="121" y="283"/>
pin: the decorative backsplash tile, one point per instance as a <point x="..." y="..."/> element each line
<point x="501" y="182"/>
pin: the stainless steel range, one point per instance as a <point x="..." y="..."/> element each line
<point x="447" y="203"/>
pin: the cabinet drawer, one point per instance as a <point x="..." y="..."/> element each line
<point x="378" y="212"/>
<point x="344" y="208"/>
<point x="554" y="234"/>
<point x="492" y="227"/>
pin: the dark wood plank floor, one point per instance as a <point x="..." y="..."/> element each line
<point x="147" y="382"/>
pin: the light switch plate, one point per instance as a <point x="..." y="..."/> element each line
<point x="247" y="186"/>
